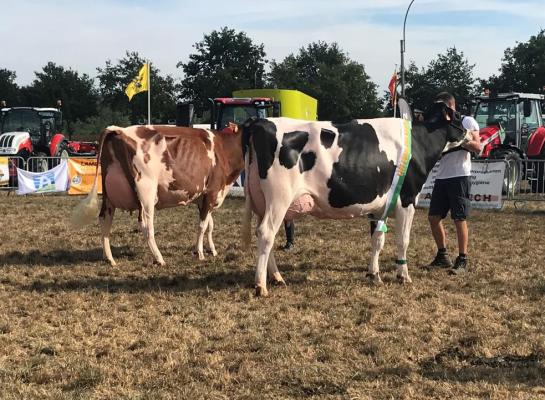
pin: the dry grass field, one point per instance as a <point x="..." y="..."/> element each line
<point x="72" y="327"/>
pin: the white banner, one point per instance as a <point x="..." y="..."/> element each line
<point x="4" y="171"/>
<point x="54" y="180"/>
<point x="486" y="185"/>
<point x="237" y="189"/>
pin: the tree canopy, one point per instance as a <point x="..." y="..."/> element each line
<point x="522" y="69"/>
<point x="77" y="92"/>
<point x="9" y="91"/>
<point x="114" y="78"/>
<point x="321" y="70"/>
<point x="227" y="60"/>
<point x="449" y="72"/>
<point x="224" y="61"/>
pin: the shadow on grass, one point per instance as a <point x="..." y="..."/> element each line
<point x="55" y="258"/>
<point x="527" y="369"/>
<point x="165" y="283"/>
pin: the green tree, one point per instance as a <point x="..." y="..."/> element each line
<point x="522" y="69"/>
<point x="77" y="93"/>
<point x="449" y="72"/>
<point x="9" y="91"/>
<point x="90" y="128"/>
<point x="224" y="61"/>
<point x="341" y="86"/>
<point x="114" y="78"/>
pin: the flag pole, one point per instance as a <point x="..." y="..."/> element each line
<point x="395" y="93"/>
<point x="149" y="93"/>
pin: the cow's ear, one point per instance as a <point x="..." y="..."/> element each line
<point x="233" y="127"/>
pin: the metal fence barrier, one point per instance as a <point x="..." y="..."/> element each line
<point x="528" y="180"/>
<point x="32" y="164"/>
<point x="524" y="179"/>
<point x="42" y="164"/>
<point x="10" y="183"/>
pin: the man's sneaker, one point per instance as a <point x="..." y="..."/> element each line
<point x="460" y="266"/>
<point x="441" y="260"/>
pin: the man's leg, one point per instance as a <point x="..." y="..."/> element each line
<point x="460" y="211"/>
<point x="438" y="231"/>
<point x="439" y="207"/>
<point x="463" y="235"/>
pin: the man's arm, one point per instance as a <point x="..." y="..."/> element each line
<point x="474" y="144"/>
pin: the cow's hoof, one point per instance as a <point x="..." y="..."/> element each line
<point x="404" y="280"/>
<point x="160" y="263"/>
<point x="374" y="278"/>
<point x="214" y="253"/>
<point x="261" y="291"/>
<point x="277" y="280"/>
<point x="200" y="256"/>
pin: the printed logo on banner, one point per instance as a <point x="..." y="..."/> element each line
<point x="44" y="182"/>
<point x="54" y="180"/>
<point x="76" y="180"/>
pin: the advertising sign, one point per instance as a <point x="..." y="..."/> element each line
<point x="486" y="185"/>
<point x="4" y="171"/>
<point x="53" y="180"/>
<point x="82" y="175"/>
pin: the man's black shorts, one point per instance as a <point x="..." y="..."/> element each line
<point x="451" y="194"/>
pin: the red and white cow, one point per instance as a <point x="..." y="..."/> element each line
<point x="337" y="171"/>
<point x="144" y="167"/>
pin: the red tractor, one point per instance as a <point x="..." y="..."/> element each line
<point x="36" y="132"/>
<point x="513" y="130"/>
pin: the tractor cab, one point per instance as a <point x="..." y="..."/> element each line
<point x="512" y="129"/>
<point x="20" y="125"/>
<point x="508" y="120"/>
<point x="239" y="110"/>
<point x="40" y="123"/>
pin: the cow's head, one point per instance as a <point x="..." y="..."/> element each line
<point x="443" y="118"/>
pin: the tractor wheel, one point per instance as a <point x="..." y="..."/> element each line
<point x="40" y="163"/>
<point x="513" y="171"/>
<point x="62" y="153"/>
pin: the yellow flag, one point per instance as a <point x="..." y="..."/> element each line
<point x="138" y="84"/>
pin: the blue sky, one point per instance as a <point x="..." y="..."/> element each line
<point x="82" y="35"/>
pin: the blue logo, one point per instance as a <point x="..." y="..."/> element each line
<point x="43" y="180"/>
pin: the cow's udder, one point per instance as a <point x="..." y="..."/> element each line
<point x="118" y="189"/>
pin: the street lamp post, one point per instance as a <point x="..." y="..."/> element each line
<point x="402" y="43"/>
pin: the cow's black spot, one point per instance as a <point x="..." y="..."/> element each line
<point x="263" y="133"/>
<point x="426" y="150"/>
<point x="327" y="137"/>
<point x="362" y="172"/>
<point x="292" y="146"/>
<point x="307" y="161"/>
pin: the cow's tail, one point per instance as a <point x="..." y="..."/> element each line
<point x="247" y="217"/>
<point x="87" y="210"/>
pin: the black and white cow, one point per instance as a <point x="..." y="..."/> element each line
<point x="298" y="167"/>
